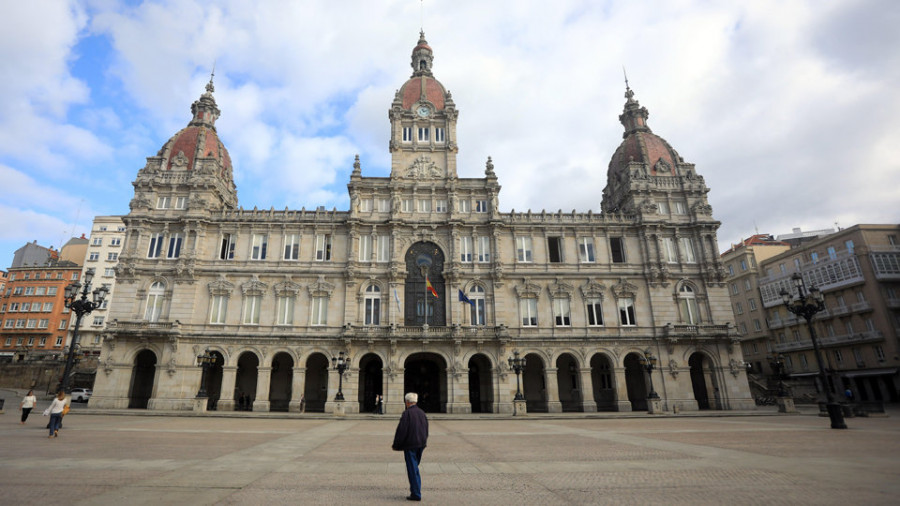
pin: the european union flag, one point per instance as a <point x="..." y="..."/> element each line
<point x="463" y="298"/>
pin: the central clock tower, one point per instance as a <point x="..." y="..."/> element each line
<point x="423" y="123"/>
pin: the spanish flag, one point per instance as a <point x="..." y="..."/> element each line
<point x="430" y="288"/>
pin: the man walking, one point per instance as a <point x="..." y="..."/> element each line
<point x="411" y="438"/>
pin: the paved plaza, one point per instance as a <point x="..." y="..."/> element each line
<point x="117" y="459"/>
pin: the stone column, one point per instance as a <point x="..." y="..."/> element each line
<point x="297" y="389"/>
<point x="392" y="386"/>
<point x="263" y="377"/>
<point x="458" y="393"/>
<point x="553" y="404"/>
<point x="622" y="402"/>
<point x="588" y="403"/>
<point x="226" y="396"/>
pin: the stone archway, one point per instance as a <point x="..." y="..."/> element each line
<point x="568" y="382"/>
<point x="315" y="394"/>
<point x="424" y="259"/>
<point x="636" y="382"/>
<point x="245" y="381"/>
<point x="426" y="375"/>
<point x="281" y="382"/>
<point x="370" y="382"/>
<point x="704" y="382"/>
<point x="481" y="384"/>
<point x="142" y="377"/>
<point x="214" y="381"/>
<point x="534" y="384"/>
<point x="603" y="383"/>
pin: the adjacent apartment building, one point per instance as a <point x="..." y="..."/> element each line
<point x="858" y="271"/>
<point x="103" y="250"/>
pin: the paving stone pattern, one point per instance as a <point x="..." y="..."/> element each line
<point x="159" y="460"/>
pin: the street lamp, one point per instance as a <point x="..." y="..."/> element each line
<point x="517" y="364"/>
<point x="79" y="304"/>
<point x="776" y="361"/>
<point x="204" y="360"/>
<point x="807" y="305"/>
<point x="341" y="364"/>
<point x="648" y="362"/>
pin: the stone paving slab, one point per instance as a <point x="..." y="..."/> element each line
<point x="159" y="460"/>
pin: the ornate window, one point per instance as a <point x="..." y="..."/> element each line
<point x="259" y="246"/>
<point x="483" y="243"/>
<point x="523" y="249"/>
<point x="323" y="247"/>
<point x="320" y="293"/>
<point x="625" y="295"/>
<point x="465" y="249"/>
<point x="174" y="250"/>
<point x="687" y="250"/>
<point x="285" y="299"/>
<point x="291" y="246"/>
<point x="476" y="312"/>
<point x="372" y="303"/>
<point x="156" y="244"/>
<point x="219" y="292"/>
<point x="528" y="294"/>
<point x="586" y="250"/>
<point x="155" y="297"/>
<point x="687" y="305"/>
<point x="253" y="291"/>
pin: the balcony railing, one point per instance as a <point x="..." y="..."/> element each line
<point x="861" y="307"/>
<point x="833" y="341"/>
<point x="840" y="310"/>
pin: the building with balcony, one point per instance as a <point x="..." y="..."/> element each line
<point x="102" y="254"/>
<point x="858" y="271"/>
<point x="423" y="282"/>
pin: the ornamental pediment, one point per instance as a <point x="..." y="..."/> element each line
<point x="624" y="289"/>
<point x="423" y="168"/>
<point x="254" y="287"/>
<point x="528" y="290"/>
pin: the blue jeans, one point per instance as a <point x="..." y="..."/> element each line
<point x="55" y="422"/>
<point x="413" y="457"/>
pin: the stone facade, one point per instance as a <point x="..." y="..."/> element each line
<point x="276" y="295"/>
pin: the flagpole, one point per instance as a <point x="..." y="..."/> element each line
<point x="426" y="300"/>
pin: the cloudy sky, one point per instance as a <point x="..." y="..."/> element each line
<point x="788" y="108"/>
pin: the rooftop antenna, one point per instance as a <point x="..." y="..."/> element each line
<point x="209" y="87"/>
<point x="626" y="78"/>
<point x="422" y="15"/>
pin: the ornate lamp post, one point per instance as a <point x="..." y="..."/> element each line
<point x="517" y="364"/>
<point x="807" y="304"/>
<point x="204" y="360"/>
<point x="776" y="361"/>
<point x="79" y="304"/>
<point x="648" y="362"/>
<point x="341" y="364"/>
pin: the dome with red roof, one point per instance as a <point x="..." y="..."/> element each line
<point x="422" y="86"/>
<point x="641" y="145"/>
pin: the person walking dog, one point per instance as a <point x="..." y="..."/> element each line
<point x="411" y="438"/>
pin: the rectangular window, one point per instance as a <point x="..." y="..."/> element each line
<point x="406" y="205"/>
<point x="663" y="207"/>
<point x="383" y="246"/>
<point x="63" y="324"/>
<point x="26" y="307"/>
<point x="804" y="364"/>
<point x="217" y="306"/>
<point x="365" y="205"/>
<point x="251" y="309"/>
<point x="738" y="308"/>
<point x="319" y="308"/>
<point x="465" y="206"/>
<point x="97" y="241"/>
<point x="523" y="249"/>
<point x="9" y="323"/>
<point x="687" y="250"/>
<point x="879" y="352"/>
<point x="476" y="312"/>
<point x="323" y="247"/>
<point x="180" y="202"/>
<point x="424" y="134"/>
<point x="669" y="249"/>
<point x="109" y="272"/>
<point x="29" y="290"/>
<point x="291" y="246"/>
<point x="743" y="265"/>
<point x="554" y="249"/>
<point x="30" y="341"/>
<point x="156" y="244"/>
<point x="259" y="246"/>
<point x="98" y="321"/>
<point x="8" y="341"/>
<point x="465" y="249"/>
<point x="407" y="134"/>
<point x="372" y="311"/>
<point x="440" y="206"/>
<point x="747" y="286"/>
<point x="481" y="206"/>
<point x="617" y="250"/>
<point x="32" y="323"/>
<point x="814" y="257"/>
<point x="163" y="202"/>
<point x="626" y="312"/>
<point x="424" y="205"/>
<point x="586" y="250"/>
<point x="752" y="303"/>
<point x="595" y="313"/>
<point x="756" y="325"/>
<point x="483" y="245"/>
<point x="832" y="254"/>
<point x="561" y="312"/>
<point x="112" y="257"/>
<point x="528" y="309"/>
<point x="20" y="323"/>
<point x="174" y="250"/>
<point x="365" y="248"/>
<point x="59" y="341"/>
<point x="383" y="205"/>
<point x="13" y="307"/>
<point x="680" y="208"/>
<point x="731" y="270"/>
<point x="849" y="245"/>
<point x="838" y="357"/>
<point x="226" y="250"/>
<point x="439" y="135"/>
<point x="285" y="311"/>
<point x="18" y="290"/>
<point x="734" y="289"/>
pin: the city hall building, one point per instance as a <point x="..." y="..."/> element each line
<point x="423" y="283"/>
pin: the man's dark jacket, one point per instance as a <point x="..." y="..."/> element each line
<point x="412" y="432"/>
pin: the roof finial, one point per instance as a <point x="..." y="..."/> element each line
<point x="209" y="87"/>
<point x="628" y="93"/>
<point x="422" y="17"/>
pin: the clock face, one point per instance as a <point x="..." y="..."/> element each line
<point x="423" y="111"/>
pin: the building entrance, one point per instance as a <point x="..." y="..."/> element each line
<point x="426" y="375"/>
<point x="142" y="377"/>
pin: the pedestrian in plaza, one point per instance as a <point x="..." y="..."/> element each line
<point x="56" y="413"/>
<point x="377" y="404"/>
<point x="27" y="405"/>
<point x="411" y="438"/>
<point x="849" y="395"/>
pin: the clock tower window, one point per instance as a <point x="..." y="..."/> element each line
<point x="407" y="134"/>
<point x="424" y="134"/>
<point x="439" y="135"/>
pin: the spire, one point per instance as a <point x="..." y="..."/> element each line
<point x="204" y="109"/>
<point x="422" y="56"/>
<point x="634" y="117"/>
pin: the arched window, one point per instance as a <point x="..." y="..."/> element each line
<point x="372" y="305"/>
<point x="155" y="301"/>
<point x="476" y="295"/>
<point x="687" y="305"/>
